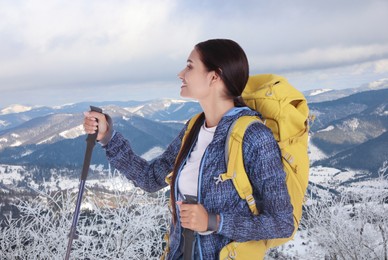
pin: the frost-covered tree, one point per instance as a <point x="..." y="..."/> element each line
<point x="128" y="225"/>
<point x="353" y="226"/>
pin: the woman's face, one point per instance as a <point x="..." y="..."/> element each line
<point x="195" y="78"/>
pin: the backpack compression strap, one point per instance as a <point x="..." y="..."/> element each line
<point x="236" y="170"/>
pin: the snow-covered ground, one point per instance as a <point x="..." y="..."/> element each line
<point x="300" y="248"/>
<point x="323" y="180"/>
<point x="11" y="175"/>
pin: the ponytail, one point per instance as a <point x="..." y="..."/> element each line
<point x="239" y="102"/>
<point x="188" y="142"/>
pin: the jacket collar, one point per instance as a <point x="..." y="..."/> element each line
<point x="227" y="119"/>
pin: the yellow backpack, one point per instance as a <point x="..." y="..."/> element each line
<point x="286" y="113"/>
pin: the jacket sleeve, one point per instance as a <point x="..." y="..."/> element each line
<point x="262" y="161"/>
<point x="149" y="176"/>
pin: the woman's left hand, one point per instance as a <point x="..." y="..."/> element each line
<point x="193" y="216"/>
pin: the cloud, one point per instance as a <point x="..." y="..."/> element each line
<point x="54" y="46"/>
<point x="107" y="38"/>
<point x="381" y="66"/>
<point x="320" y="58"/>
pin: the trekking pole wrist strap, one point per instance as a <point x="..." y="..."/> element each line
<point x="212" y="222"/>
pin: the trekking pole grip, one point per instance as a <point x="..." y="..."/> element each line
<point x="90" y="142"/>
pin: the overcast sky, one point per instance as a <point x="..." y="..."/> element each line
<point x="56" y="52"/>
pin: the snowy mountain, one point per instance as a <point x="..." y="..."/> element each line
<point x="370" y="156"/>
<point x="50" y="125"/>
<point x="315" y="92"/>
<point x="167" y="110"/>
<point x="40" y="130"/>
<point x="54" y="137"/>
<point x="373" y="103"/>
<point x="321" y="95"/>
<point x="14" y="109"/>
<point x="160" y="110"/>
<point x="352" y="129"/>
<point x="143" y="134"/>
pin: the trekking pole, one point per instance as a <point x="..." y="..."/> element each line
<point x="90" y="142"/>
<point x="188" y="234"/>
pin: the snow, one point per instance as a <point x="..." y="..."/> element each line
<point x="303" y="246"/>
<point x="3" y="123"/>
<point x="383" y="169"/>
<point x="17" y="143"/>
<point x="4" y="140"/>
<point x="15" y="135"/>
<point x="322" y="175"/>
<point x="178" y="101"/>
<point x="350" y="124"/>
<point x="115" y="183"/>
<point x="87" y="206"/>
<point x="15" y="109"/>
<point x="152" y="153"/>
<point x="380" y="111"/>
<point x="64" y="105"/>
<point x="320" y="91"/>
<point x="133" y="109"/>
<point x="179" y="107"/>
<point x="168" y="102"/>
<point x="26" y="153"/>
<point x="315" y="154"/>
<point x="73" y="132"/>
<point x="95" y="167"/>
<point x="46" y="140"/>
<point x="12" y="176"/>
<point x="341" y="181"/>
<point x="328" y="176"/>
<point x="327" y="129"/>
<point x="63" y="183"/>
<point x="300" y="247"/>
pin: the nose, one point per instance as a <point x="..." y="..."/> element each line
<point x="181" y="74"/>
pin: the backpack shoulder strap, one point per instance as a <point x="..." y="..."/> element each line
<point x="234" y="156"/>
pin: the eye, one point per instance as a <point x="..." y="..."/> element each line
<point x="189" y="66"/>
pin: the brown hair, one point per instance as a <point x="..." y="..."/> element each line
<point x="229" y="61"/>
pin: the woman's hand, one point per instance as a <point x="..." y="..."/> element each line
<point x="91" y="124"/>
<point x="193" y="216"/>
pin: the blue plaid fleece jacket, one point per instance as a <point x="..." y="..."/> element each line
<point x="263" y="164"/>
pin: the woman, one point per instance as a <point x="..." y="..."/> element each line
<point x="216" y="74"/>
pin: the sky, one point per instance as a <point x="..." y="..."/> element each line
<point x="59" y="52"/>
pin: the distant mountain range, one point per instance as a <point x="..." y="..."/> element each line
<point x="158" y="110"/>
<point x="350" y="131"/>
<point x="348" y="126"/>
<point x="320" y="95"/>
<point x="54" y="136"/>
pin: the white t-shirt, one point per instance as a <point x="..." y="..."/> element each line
<point x="188" y="179"/>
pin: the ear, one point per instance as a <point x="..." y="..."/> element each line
<point x="214" y="77"/>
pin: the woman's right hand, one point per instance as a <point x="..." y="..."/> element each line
<point x="91" y="125"/>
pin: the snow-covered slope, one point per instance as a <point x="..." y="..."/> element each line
<point x="14" y="109"/>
